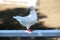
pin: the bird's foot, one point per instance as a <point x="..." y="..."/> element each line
<point x="29" y="30"/>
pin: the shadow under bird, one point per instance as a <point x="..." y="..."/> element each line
<point x="28" y="20"/>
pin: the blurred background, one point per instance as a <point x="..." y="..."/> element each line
<point x="48" y="12"/>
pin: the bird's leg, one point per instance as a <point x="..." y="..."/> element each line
<point x="28" y="29"/>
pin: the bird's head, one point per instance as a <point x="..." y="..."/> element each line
<point x="31" y="8"/>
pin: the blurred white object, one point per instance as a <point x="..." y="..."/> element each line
<point x="20" y="2"/>
<point x="1" y="1"/>
<point x="29" y="20"/>
<point x="32" y="2"/>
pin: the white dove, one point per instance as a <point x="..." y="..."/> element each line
<point x="29" y="20"/>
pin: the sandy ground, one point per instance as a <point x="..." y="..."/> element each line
<point x="51" y="8"/>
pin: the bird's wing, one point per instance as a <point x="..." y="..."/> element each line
<point x="32" y="15"/>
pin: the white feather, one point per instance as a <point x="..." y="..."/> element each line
<point x="29" y="20"/>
